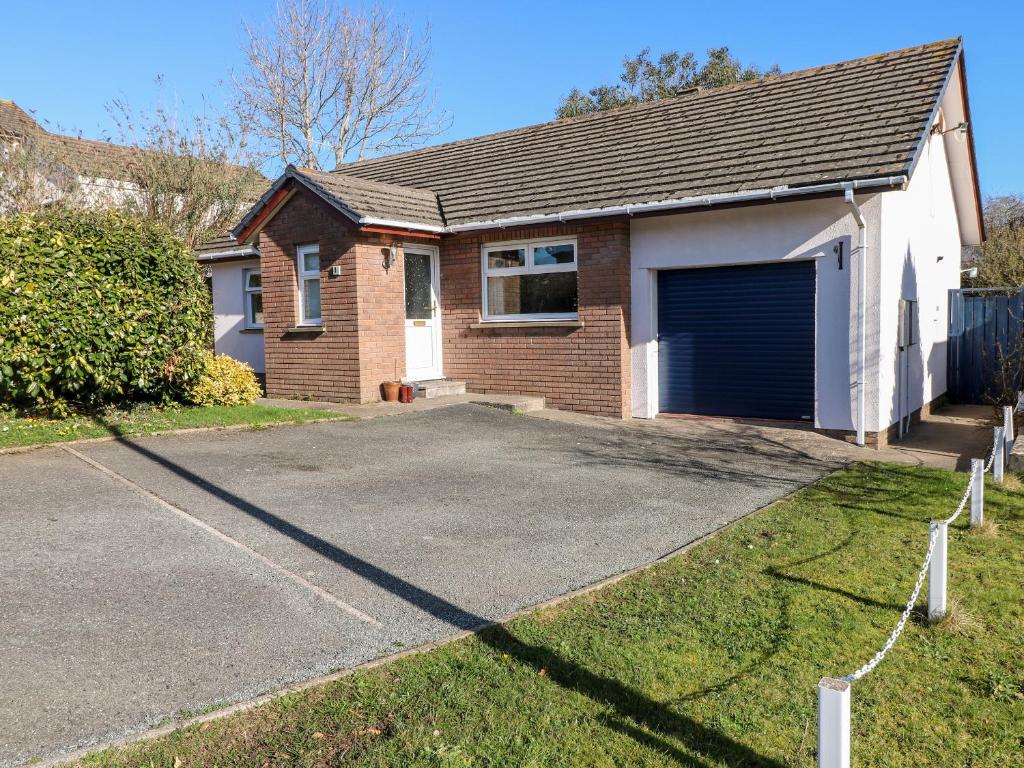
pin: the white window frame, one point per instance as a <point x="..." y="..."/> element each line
<point x="529" y="269"/>
<point x="303" y="275"/>
<point x="249" y="323"/>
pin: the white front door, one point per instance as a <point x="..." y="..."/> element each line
<point x="422" y="313"/>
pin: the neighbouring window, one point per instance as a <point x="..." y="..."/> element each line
<point x="253" y="298"/>
<point x="309" y="284"/>
<point x="533" y="280"/>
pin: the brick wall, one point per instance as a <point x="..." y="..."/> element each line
<point x="581" y="369"/>
<point x="362" y="342"/>
<point x="322" y="365"/>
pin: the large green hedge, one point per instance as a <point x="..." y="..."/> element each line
<point x="97" y="308"/>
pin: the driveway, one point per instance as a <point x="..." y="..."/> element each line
<point x="160" y="576"/>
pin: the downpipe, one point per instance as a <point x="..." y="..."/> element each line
<point x="862" y="282"/>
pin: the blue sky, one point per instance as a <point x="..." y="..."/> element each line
<point x="503" y="65"/>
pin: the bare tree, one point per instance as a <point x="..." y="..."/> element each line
<point x="32" y="175"/>
<point x="325" y="84"/>
<point x="194" y="175"/>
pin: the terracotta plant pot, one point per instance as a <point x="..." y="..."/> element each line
<point x="391" y="391"/>
<point x="405" y="393"/>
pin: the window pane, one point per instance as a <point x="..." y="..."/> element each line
<point x="256" y="308"/>
<point x="511" y="257"/>
<point x="418" y="298"/>
<point x="252" y="280"/>
<point x="554" y="254"/>
<point x="311" y="290"/>
<point x="552" y="293"/>
<point x="311" y="262"/>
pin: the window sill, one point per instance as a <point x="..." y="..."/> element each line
<point x="252" y="330"/>
<point x="305" y="329"/>
<point x="495" y="324"/>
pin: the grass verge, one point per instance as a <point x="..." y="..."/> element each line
<point x="709" y="659"/>
<point x="20" y="430"/>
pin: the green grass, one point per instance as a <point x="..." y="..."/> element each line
<point x="710" y="659"/>
<point x="18" y="430"/>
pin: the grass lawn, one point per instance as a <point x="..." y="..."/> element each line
<point x="710" y="659"/>
<point x="17" y="430"/>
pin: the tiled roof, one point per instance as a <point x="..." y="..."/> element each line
<point x="373" y="199"/>
<point x="15" y="121"/>
<point x="363" y="201"/>
<point x="222" y="247"/>
<point x="859" y="119"/>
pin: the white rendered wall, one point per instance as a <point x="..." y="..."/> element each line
<point x="230" y="336"/>
<point x="921" y="260"/>
<point x="764" y="233"/>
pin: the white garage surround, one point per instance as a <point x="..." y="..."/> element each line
<point x="762" y="234"/>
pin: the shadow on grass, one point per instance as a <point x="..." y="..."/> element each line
<point x="637" y="716"/>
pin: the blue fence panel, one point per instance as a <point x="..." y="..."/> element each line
<point x="986" y="343"/>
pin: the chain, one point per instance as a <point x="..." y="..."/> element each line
<point x="932" y="538"/>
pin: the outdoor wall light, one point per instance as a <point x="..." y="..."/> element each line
<point x="390" y="257"/>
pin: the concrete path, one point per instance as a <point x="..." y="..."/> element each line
<point x="144" y="578"/>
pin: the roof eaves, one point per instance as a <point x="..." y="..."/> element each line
<point x="933" y="114"/>
<point x="703" y="201"/>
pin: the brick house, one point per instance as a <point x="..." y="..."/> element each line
<point x="776" y="249"/>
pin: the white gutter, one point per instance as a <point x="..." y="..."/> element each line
<point x="375" y="222"/>
<point x="862" y="282"/>
<point x="680" y="203"/>
<point x="216" y="255"/>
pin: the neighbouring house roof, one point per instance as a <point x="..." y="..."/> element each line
<point x="860" y="122"/>
<point x="224" y="248"/>
<point x="15" y="121"/>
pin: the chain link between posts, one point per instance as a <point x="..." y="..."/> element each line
<point x="932" y="538"/>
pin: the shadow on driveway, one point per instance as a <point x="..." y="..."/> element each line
<point x="629" y="704"/>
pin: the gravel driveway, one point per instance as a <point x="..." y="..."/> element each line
<point x="163" y="575"/>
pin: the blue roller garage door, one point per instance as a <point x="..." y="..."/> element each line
<point x="737" y="341"/>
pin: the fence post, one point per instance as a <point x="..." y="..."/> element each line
<point x="977" y="492"/>
<point x="937" y="572"/>
<point x="833" y="723"/>
<point x="1008" y="434"/>
<point x="998" y="459"/>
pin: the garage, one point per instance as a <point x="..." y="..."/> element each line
<point x="737" y="341"/>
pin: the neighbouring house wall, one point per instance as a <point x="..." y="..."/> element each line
<point x="806" y="229"/>
<point x="921" y="260"/>
<point x="230" y="335"/>
<point x="581" y="369"/>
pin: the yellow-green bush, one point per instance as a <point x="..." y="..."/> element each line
<point x="224" y="381"/>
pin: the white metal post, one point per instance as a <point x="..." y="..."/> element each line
<point x="1008" y="435"/>
<point x="833" y="723"/>
<point x="998" y="458"/>
<point x="937" y="572"/>
<point x="977" y="492"/>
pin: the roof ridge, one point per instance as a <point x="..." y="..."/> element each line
<point x="648" y="105"/>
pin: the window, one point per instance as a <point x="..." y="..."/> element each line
<point x="309" y="285"/>
<point x="530" y="281"/>
<point x="253" y="298"/>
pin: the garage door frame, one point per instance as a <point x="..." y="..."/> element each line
<point x="653" y="362"/>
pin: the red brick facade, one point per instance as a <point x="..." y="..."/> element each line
<point x="362" y="342"/>
<point x="580" y="369"/>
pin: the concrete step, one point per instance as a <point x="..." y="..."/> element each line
<point x="515" y="403"/>
<point x="440" y="388"/>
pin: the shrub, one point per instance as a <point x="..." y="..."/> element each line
<point x="225" y="381"/>
<point x="97" y="308"/>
